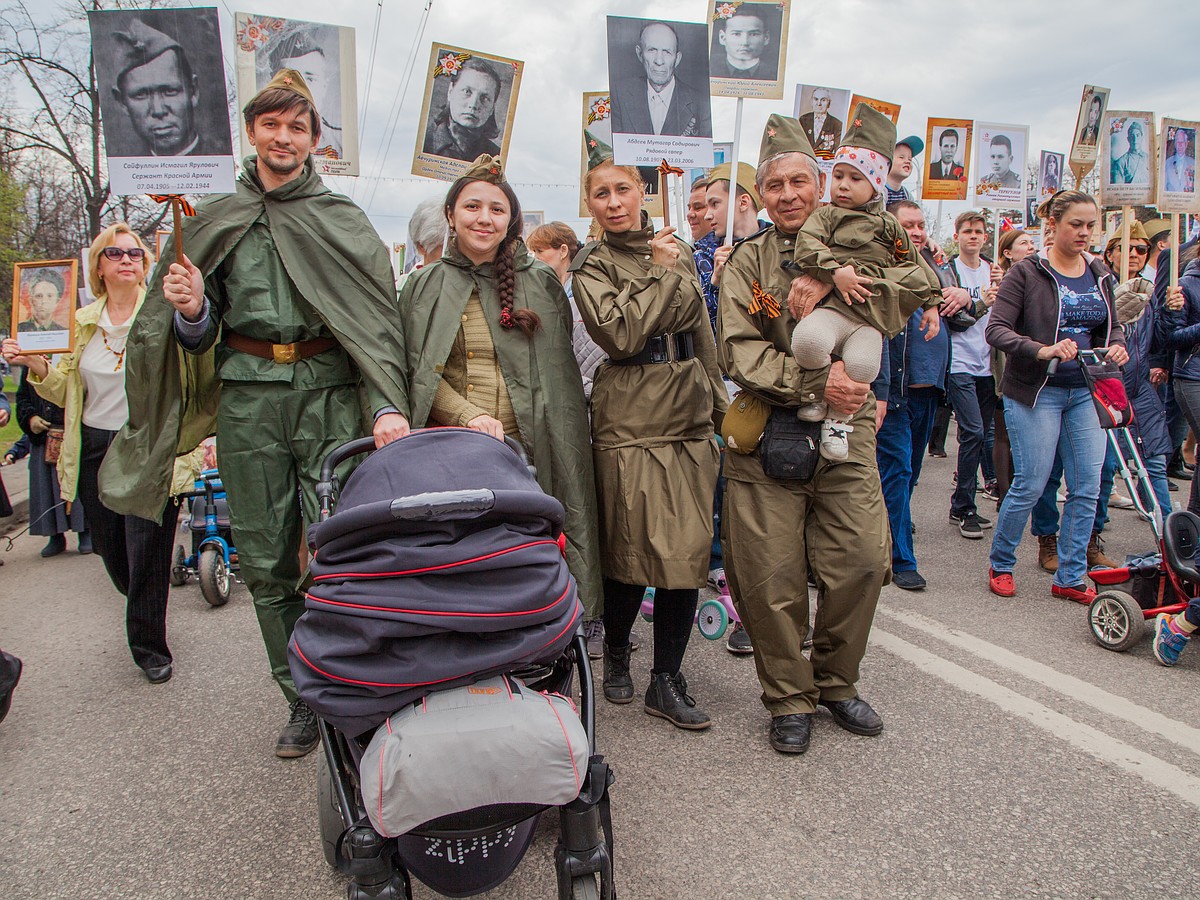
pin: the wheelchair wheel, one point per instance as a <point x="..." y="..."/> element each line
<point x="1116" y="621"/>
<point x="329" y="816"/>
<point x="712" y="619"/>
<point x="583" y="887"/>
<point x="214" y="576"/>
<point x="179" y="572"/>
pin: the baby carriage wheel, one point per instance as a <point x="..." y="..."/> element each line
<point x="179" y="572"/>
<point x="712" y="619"/>
<point x="1116" y="621"/>
<point x="583" y="887"/>
<point x="214" y="576"/>
<point x="327" y="810"/>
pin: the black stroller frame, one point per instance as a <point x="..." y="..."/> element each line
<point x="583" y="855"/>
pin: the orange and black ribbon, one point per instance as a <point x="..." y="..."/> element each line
<point x="186" y="208"/>
<point x="762" y="301"/>
<point x="179" y="207"/>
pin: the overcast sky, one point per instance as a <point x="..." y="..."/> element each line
<point x="1018" y="61"/>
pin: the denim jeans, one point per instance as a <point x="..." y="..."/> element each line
<point x="1045" y="513"/>
<point x="900" y="450"/>
<point x="974" y="401"/>
<point x="1063" y="418"/>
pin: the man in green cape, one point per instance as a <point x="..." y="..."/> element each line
<point x="285" y="308"/>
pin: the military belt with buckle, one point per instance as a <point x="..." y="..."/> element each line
<point x="663" y="348"/>
<point x="283" y="354"/>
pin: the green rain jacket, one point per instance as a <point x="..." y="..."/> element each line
<point x="541" y="375"/>
<point x="333" y="256"/>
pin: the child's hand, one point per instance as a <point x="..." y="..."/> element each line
<point x="931" y="323"/>
<point x="854" y="287"/>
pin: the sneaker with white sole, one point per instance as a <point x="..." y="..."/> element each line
<point x="835" y="445"/>
<point x="1169" y="640"/>
<point x="970" y="525"/>
<point x="738" y="641"/>
<point x="716" y="579"/>
<point x="812" y="412"/>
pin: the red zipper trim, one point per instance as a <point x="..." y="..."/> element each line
<point x="426" y="612"/>
<point x="463" y="562"/>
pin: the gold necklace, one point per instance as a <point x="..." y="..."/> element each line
<point x="120" y="356"/>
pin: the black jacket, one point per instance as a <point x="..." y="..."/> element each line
<point x="30" y="404"/>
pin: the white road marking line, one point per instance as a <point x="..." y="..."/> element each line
<point x="1161" y="774"/>
<point x="1073" y="688"/>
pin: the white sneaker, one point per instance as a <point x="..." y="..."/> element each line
<point x="812" y="412"/>
<point x="835" y="446"/>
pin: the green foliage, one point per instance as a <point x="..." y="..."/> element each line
<point x="12" y="220"/>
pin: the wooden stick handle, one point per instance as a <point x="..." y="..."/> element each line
<point x="1174" y="250"/>
<point x="177" y="214"/>
<point x="662" y="192"/>
<point x="1126" y="215"/>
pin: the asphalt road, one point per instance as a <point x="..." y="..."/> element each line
<point x="1018" y="757"/>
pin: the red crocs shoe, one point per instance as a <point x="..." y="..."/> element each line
<point x="1001" y="583"/>
<point x="1080" y="593"/>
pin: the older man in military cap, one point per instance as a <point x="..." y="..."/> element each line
<point x="772" y="529"/>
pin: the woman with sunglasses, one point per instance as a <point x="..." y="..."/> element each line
<point x="89" y="384"/>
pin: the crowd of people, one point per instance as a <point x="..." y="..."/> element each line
<point x="749" y="409"/>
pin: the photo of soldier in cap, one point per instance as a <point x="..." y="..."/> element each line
<point x="150" y="66"/>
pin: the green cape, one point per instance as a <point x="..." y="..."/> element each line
<point x="335" y="258"/>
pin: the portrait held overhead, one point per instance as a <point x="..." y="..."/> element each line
<point x="1000" y="165"/>
<point x="949" y="154"/>
<point x="1127" y="159"/>
<point x="596" y="140"/>
<point x="43" y="305"/>
<point x="1085" y="149"/>
<point x="748" y="49"/>
<point x="822" y="113"/>
<point x="1050" y="173"/>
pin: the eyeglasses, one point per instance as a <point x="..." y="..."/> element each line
<point x="115" y="253"/>
<point x="1143" y="249"/>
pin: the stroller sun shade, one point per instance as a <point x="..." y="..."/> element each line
<point x="442" y="565"/>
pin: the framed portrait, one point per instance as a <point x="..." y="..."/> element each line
<point x="160" y="240"/>
<point x="324" y="55"/>
<point x="1000" y="152"/>
<point x="469" y="106"/>
<point x="596" y="131"/>
<point x="1050" y="169"/>
<point x="658" y="78"/>
<point x="747" y="48"/>
<point x="889" y="109"/>
<point x="43" y="305"/>
<point x="1032" y="221"/>
<point x="822" y="113"/>
<point x="1177" y="191"/>
<point x="164" y="109"/>
<point x="1127" y="158"/>
<point x="531" y="219"/>
<point x="1085" y="147"/>
<point x="948" y="159"/>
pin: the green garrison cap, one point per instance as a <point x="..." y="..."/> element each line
<point x="597" y="150"/>
<point x="871" y="130"/>
<point x="485" y="168"/>
<point x="783" y="134"/>
<point x="745" y="179"/>
<point x="288" y="80"/>
<point x="140" y="44"/>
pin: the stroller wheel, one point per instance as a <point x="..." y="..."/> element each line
<point x="214" y="576"/>
<point x="179" y="573"/>
<point x="583" y="887"/>
<point x="1116" y="621"/>
<point x="327" y="810"/>
<point x="712" y="619"/>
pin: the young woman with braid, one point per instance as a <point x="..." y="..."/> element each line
<point x="489" y="348"/>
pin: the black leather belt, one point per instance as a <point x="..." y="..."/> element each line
<point x="662" y="348"/>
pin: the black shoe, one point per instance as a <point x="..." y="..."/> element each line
<point x="667" y="698"/>
<point x="85" y="543"/>
<point x="970" y="525"/>
<point x="299" y="735"/>
<point x="618" y="686"/>
<point x="10" y="674"/>
<point x="855" y="715"/>
<point x="909" y="580"/>
<point x="791" y="733"/>
<point x="1172" y="486"/>
<point x="738" y="641"/>
<point x="936" y="453"/>
<point x="56" y="545"/>
<point x="158" y="674"/>
<point x="593" y="633"/>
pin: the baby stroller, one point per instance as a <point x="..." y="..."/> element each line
<point x="213" y="560"/>
<point x="427" y="494"/>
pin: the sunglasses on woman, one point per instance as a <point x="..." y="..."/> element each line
<point x="115" y="253"/>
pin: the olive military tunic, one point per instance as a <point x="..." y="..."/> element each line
<point x="652" y="425"/>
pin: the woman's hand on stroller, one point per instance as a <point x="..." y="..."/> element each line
<point x="389" y="427"/>
<point x="1117" y="354"/>
<point x="487" y="425"/>
<point x="1064" y="349"/>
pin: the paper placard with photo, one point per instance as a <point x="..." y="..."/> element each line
<point x="747" y="48"/>
<point x="324" y="55"/>
<point x="164" y="109"/>
<point x="822" y="113"/>
<point x="531" y="219"/>
<point x="1000" y="152"/>
<point x="1127" y="158"/>
<point x="469" y="106"/>
<point x="43" y="305"/>
<point x="1050" y="169"/>
<point x="658" y="76"/>
<point x="1177" y="189"/>
<point x="596" y="132"/>
<point x="948" y="155"/>
<point x="889" y="109"/>
<point x="1085" y="147"/>
<point x="1032" y="221"/>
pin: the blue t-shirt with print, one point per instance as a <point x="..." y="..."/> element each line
<point x="1082" y="309"/>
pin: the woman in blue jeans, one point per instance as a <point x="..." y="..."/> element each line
<point x="1051" y="308"/>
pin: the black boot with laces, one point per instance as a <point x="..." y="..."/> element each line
<point x="618" y="686"/>
<point x="299" y="735"/>
<point x="667" y="698"/>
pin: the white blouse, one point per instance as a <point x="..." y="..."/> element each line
<point x="102" y="367"/>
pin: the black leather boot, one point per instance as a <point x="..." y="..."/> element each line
<point x="667" y="698"/>
<point x="618" y="686"/>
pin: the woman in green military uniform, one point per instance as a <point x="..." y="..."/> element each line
<point x="490" y="349"/>
<point x="655" y="405"/>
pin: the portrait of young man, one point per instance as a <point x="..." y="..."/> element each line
<point x="945" y="166"/>
<point x="746" y="45"/>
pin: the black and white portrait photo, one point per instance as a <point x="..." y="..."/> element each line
<point x="1050" y="173"/>
<point x="822" y="112"/>
<point x="747" y="49"/>
<point x="1086" y="146"/>
<point x="470" y="101"/>
<point x="1000" y="164"/>
<point x="324" y="57"/>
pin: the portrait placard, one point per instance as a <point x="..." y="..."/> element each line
<point x="889" y="109"/>
<point x="1000" y="152"/>
<point x="596" y="130"/>
<point x="1085" y="147"/>
<point x="822" y="113"/>
<point x="43" y="305"/>
<point x="469" y="106"/>
<point x="1050" y="169"/>
<point x="1032" y="222"/>
<point x="658" y="76"/>
<point x="163" y="105"/>
<point x="1127" y="159"/>
<point x="948" y="150"/>
<point x="1177" y="191"/>
<point x="324" y="57"/>
<point x="747" y="48"/>
<point x="531" y="219"/>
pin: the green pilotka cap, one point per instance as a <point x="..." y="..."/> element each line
<point x="485" y="168"/>
<point x="745" y="180"/>
<point x="783" y="134"/>
<point x="288" y="80"/>
<point x="871" y="130"/>
<point x="139" y="44"/>
<point x="597" y="150"/>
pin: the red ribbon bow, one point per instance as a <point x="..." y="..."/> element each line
<point x="665" y="168"/>
<point x="184" y="207"/>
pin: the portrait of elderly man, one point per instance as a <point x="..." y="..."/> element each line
<point x="466" y="126"/>
<point x="313" y="52"/>
<point x="1000" y="157"/>
<point x="745" y="46"/>
<point x="944" y="168"/>
<point x="656" y="100"/>
<point x="159" y="91"/>
<point x="822" y="129"/>
<point x="1180" y="170"/>
<point x="1132" y="166"/>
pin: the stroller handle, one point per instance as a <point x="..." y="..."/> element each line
<point x="1096" y="355"/>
